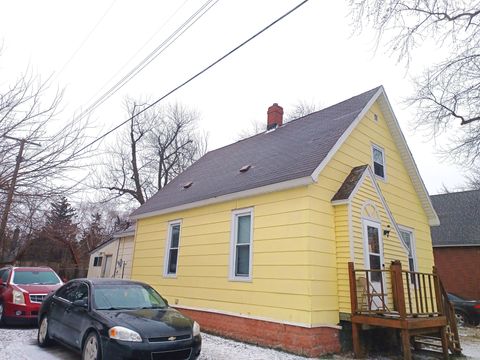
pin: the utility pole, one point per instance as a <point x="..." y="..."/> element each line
<point x="11" y="190"/>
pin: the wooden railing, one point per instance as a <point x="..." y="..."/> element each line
<point x="412" y="294"/>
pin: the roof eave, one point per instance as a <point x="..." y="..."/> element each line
<point x="284" y="185"/>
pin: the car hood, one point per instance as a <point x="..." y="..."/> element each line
<point x="37" y="289"/>
<point x="150" y="322"/>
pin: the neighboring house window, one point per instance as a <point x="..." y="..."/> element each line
<point x="171" y="255"/>
<point x="97" y="261"/>
<point x="378" y="156"/>
<point x="407" y="236"/>
<point x="241" y="251"/>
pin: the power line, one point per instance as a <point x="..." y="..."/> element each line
<point x="140" y="49"/>
<point x="196" y="75"/>
<point x="84" y="40"/>
<point x="150" y="57"/>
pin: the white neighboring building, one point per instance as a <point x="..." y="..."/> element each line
<point x="113" y="258"/>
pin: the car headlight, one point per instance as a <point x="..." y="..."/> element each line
<point x="18" y="297"/>
<point x="124" y="334"/>
<point x="196" y="329"/>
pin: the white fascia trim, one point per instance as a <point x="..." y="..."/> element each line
<point x="408" y="159"/>
<point x="307" y="180"/>
<point x="345" y="135"/>
<point x="260" y="318"/>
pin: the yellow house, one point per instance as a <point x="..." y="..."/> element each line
<point x="113" y="258"/>
<point x="253" y="240"/>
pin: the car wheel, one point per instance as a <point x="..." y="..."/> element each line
<point x="92" y="349"/>
<point x="462" y="319"/>
<point x="43" y="337"/>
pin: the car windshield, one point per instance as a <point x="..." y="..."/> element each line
<point x="126" y="296"/>
<point x="35" y="278"/>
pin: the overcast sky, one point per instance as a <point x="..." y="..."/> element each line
<point x="310" y="56"/>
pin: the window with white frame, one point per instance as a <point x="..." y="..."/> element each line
<point x="378" y="156"/>
<point x="97" y="261"/>
<point x="407" y="237"/>
<point x="171" y="253"/>
<point x="241" y="251"/>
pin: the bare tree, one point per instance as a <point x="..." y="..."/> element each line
<point x="300" y="109"/>
<point x="448" y="93"/>
<point x="158" y="144"/>
<point x="473" y="182"/>
<point x="29" y="113"/>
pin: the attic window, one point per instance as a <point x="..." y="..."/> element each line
<point x="245" y="168"/>
<point x="375" y="117"/>
<point x="187" y="185"/>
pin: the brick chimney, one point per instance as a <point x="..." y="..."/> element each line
<point x="274" y="116"/>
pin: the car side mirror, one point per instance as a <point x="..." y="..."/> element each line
<point x="82" y="303"/>
<point x="2" y="284"/>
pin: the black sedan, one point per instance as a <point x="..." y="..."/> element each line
<point x="466" y="311"/>
<point x="117" y="319"/>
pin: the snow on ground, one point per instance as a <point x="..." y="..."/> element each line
<point x="21" y="344"/>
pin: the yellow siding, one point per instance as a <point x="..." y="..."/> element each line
<point x="281" y="286"/>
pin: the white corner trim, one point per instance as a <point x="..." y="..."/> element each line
<point x="284" y="185"/>
<point x="345" y="135"/>
<point x="260" y="318"/>
<point x="350" y="233"/>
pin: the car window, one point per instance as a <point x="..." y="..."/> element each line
<point x="35" y="277"/>
<point x="126" y="296"/>
<point x="81" y="293"/>
<point x="68" y="292"/>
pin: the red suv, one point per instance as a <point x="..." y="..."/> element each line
<point x="22" y="290"/>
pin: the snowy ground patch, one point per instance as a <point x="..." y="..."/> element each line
<point x="21" y="344"/>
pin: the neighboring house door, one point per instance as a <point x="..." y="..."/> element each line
<point x="373" y="252"/>
<point x="107" y="266"/>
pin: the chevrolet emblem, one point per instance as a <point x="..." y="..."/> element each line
<point x="172" y="338"/>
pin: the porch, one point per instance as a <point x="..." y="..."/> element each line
<point x="413" y="303"/>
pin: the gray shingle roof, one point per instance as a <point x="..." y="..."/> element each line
<point x="349" y="183"/>
<point x="459" y="215"/>
<point x="292" y="151"/>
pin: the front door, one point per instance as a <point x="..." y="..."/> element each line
<point x="373" y="253"/>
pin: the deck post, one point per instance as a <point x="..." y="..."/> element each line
<point x="407" y="352"/>
<point x="443" y="333"/>
<point x="438" y="292"/>
<point x="353" y="288"/>
<point x="356" y="328"/>
<point x="398" y="290"/>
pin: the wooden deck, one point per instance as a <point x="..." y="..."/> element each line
<point x="414" y="303"/>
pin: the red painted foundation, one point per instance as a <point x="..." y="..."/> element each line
<point x="312" y="342"/>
